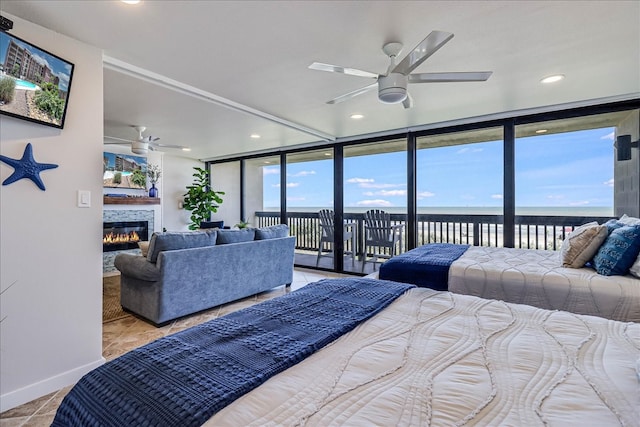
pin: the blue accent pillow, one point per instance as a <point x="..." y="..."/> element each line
<point x="613" y="224"/>
<point x="618" y="253"/>
<point x="272" y="232"/>
<point x="236" y="236"/>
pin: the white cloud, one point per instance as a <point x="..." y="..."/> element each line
<point x="386" y="193"/>
<point x="303" y="173"/>
<point x="270" y="171"/>
<point x="423" y="194"/>
<point x="371" y="185"/>
<point x="610" y="136"/>
<point x="376" y="202"/>
<point x="580" y="203"/>
<point x="609" y="183"/>
<point x="556" y="196"/>
<point x="359" y="180"/>
<point x="295" y="199"/>
<point x="469" y="150"/>
<point x="496" y="196"/>
<point x="289" y="185"/>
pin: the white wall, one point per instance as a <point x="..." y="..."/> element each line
<point x="226" y="177"/>
<point x="177" y="173"/>
<point x="50" y="262"/>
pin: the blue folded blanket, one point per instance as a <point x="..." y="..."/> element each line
<point x="183" y="379"/>
<point x="425" y="266"/>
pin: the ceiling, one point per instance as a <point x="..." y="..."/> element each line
<point x="228" y="65"/>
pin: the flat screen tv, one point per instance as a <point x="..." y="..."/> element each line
<point x="124" y="171"/>
<point x="34" y="83"/>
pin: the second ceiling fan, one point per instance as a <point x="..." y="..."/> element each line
<point x="392" y="86"/>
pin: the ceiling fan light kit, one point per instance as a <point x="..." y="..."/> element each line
<point x="392" y="86"/>
<point x="392" y="89"/>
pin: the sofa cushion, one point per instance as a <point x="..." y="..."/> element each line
<point x="236" y="236"/>
<point x="136" y="266"/>
<point x="618" y="253"/>
<point x="582" y="244"/>
<point x="144" y="248"/>
<point x="173" y="240"/>
<point x="272" y="232"/>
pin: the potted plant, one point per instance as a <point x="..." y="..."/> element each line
<point x="200" y="199"/>
<point x="153" y="172"/>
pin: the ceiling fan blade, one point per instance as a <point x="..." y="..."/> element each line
<point x="168" y="145"/>
<point x="408" y="101"/>
<point x="471" y="76"/>
<point x="124" y="141"/>
<point x="343" y="70"/>
<point x="427" y="47"/>
<point x="353" y="94"/>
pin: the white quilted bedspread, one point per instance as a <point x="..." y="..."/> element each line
<point x="441" y="359"/>
<point x="535" y="277"/>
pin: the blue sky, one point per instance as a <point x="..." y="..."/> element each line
<point x="59" y="68"/>
<point x="572" y="169"/>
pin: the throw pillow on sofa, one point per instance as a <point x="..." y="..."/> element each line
<point x="618" y="253"/>
<point x="582" y="244"/>
<point x="236" y="236"/>
<point x="272" y="232"/>
<point x="174" y="240"/>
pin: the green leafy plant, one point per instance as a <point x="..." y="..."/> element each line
<point x="117" y="178"/>
<point x="242" y="224"/>
<point x="154" y="173"/>
<point x="48" y="100"/>
<point x="7" y="88"/>
<point x="200" y="199"/>
<point x="139" y="178"/>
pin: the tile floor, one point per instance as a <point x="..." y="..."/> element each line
<point x="125" y="334"/>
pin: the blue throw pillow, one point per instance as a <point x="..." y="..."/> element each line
<point x="613" y="224"/>
<point x="272" y="232"/>
<point x="618" y="253"/>
<point x="236" y="236"/>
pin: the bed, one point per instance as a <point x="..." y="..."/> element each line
<point x="416" y="357"/>
<point x="523" y="276"/>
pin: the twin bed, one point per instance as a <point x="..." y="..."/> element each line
<point x="522" y="276"/>
<point x="359" y="351"/>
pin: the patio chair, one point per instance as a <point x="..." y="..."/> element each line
<point x="327" y="232"/>
<point x="380" y="237"/>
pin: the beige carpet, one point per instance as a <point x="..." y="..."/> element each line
<point x="111" y="308"/>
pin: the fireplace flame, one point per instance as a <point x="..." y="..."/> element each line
<point x="113" y="238"/>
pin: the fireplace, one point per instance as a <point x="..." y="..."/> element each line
<point x="123" y="235"/>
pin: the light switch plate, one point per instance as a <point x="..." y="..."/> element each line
<point x="84" y="199"/>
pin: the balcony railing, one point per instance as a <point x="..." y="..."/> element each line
<point x="531" y="232"/>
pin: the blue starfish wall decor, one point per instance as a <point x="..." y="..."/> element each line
<point x="26" y="167"/>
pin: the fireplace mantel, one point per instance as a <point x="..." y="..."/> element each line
<point x="131" y="200"/>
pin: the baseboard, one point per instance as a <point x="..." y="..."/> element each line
<point x="34" y="391"/>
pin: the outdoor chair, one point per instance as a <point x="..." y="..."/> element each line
<point x="327" y="235"/>
<point x="380" y="237"/>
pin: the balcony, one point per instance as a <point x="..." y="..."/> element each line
<point x="531" y="232"/>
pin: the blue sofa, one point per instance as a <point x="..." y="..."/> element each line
<point x="187" y="272"/>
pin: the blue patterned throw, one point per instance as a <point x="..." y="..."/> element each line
<point x="425" y="266"/>
<point x="183" y="379"/>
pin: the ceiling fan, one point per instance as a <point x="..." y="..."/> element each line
<point x="392" y="86"/>
<point x="144" y="143"/>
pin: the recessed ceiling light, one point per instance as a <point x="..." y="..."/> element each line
<point x="541" y="131"/>
<point x="552" y="79"/>
<point x="186" y="149"/>
<point x="255" y="136"/>
<point x="267" y="162"/>
<point x="130" y="1"/>
<point x="327" y="154"/>
<point x="356" y="116"/>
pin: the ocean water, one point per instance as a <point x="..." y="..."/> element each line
<point x="520" y="210"/>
